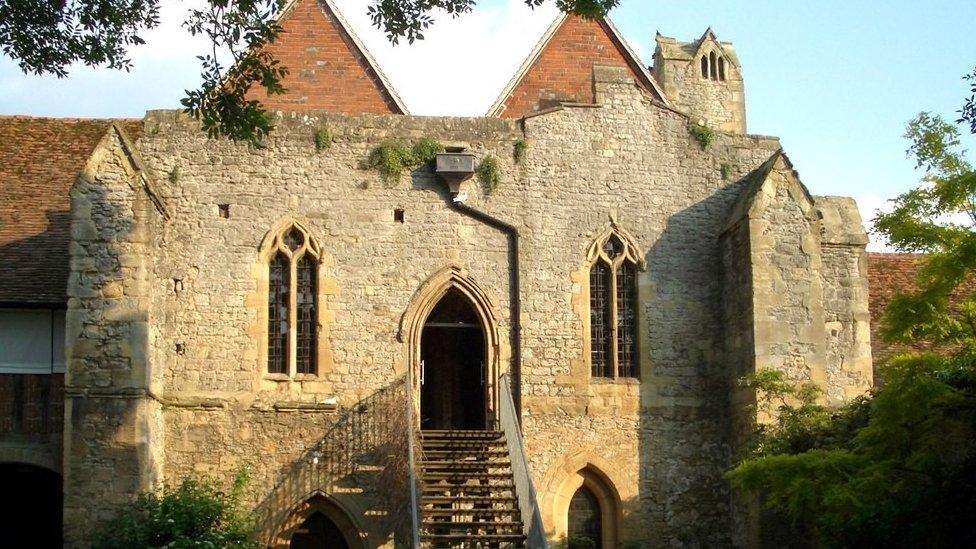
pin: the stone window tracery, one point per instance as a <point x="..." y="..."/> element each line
<point x="613" y="300"/>
<point x="293" y="302"/>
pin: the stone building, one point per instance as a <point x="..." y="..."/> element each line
<point x="553" y="357"/>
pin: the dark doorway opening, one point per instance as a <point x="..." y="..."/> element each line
<point x="585" y="521"/>
<point x="453" y="368"/>
<point x="32" y="508"/>
<point x="318" y="532"/>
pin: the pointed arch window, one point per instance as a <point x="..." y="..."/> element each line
<point x="721" y="68"/>
<point x="704" y="66"/>
<point x="713" y="65"/>
<point x="293" y="272"/>
<point x="615" y="261"/>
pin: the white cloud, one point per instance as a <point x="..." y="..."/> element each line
<point x="462" y="65"/>
<point x="869" y="205"/>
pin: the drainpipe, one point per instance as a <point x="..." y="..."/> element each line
<point x="454" y="167"/>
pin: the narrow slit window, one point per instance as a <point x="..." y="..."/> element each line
<point x="600" y="320"/>
<point x="307" y="321"/>
<point x="721" y="69"/>
<point x="279" y="284"/>
<point x="627" y="320"/>
<point x="704" y="66"/>
<point x="713" y="66"/>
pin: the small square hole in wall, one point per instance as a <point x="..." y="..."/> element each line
<point x="224" y="210"/>
<point x="399" y="215"/>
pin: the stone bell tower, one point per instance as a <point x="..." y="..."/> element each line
<point x="704" y="79"/>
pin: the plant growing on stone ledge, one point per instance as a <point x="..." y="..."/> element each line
<point x="489" y="173"/>
<point x="520" y="149"/>
<point x="323" y="139"/>
<point x="426" y="150"/>
<point x="728" y="170"/>
<point x="391" y="158"/>
<point x="702" y="134"/>
<point x="174" y="175"/>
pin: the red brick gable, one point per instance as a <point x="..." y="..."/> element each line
<point x="40" y="158"/>
<point x="562" y="71"/>
<point x="329" y="69"/>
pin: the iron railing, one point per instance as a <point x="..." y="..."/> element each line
<point x="535" y="532"/>
<point x="364" y="448"/>
<point x="412" y="432"/>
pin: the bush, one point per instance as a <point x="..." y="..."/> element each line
<point x="194" y="514"/>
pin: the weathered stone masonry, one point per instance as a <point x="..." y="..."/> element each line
<point x="164" y="332"/>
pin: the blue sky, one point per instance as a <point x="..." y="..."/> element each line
<point x="836" y="80"/>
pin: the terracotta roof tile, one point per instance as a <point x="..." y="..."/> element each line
<point x="39" y="161"/>
<point x="888" y="275"/>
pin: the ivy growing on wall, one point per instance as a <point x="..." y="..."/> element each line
<point x="489" y="173"/>
<point x="392" y="158"/>
<point x="521" y="148"/>
<point x="702" y="134"/>
<point x="323" y="139"/>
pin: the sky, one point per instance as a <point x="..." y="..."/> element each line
<point x="836" y="80"/>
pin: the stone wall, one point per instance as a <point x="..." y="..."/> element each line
<point x="194" y="301"/>
<point x="720" y="104"/>
<point x="112" y="432"/>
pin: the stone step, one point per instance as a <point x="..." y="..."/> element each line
<point x="469" y="500"/>
<point x="454" y="540"/>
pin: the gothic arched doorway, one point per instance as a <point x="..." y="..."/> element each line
<point x="318" y="532"/>
<point x="453" y="371"/>
<point x="32" y="507"/>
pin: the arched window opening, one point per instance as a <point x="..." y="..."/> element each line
<point x="292" y="302"/>
<point x="585" y="521"/>
<point x="721" y="69"/>
<point x="704" y="66"/>
<point x="317" y="532"/>
<point x="614" y="309"/>
<point x="713" y="66"/>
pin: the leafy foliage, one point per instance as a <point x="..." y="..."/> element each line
<point x="938" y="218"/>
<point x="896" y="468"/>
<point x="194" y="514"/>
<point x="392" y="158"/>
<point x="968" y="111"/>
<point x="426" y="150"/>
<point x="323" y="139"/>
<point x="520" y="149"/>
<point x="489" y="172"/>
<point x="702" y="134"/>
<point x="47" y="38"/>
<point x="242" y="29"/>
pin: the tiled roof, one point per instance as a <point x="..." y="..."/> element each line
<point x="39" y="161"/>
<point x="888" y="275"/>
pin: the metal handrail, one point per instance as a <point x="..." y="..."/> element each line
<point x="535" y="532"/>
<point x="411" y="436"/>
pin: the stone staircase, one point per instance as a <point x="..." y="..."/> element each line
<point x="468" y="494"/>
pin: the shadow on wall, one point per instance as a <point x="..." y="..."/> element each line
<point x="361" y="464"/>
<point x="685" y="427"/>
